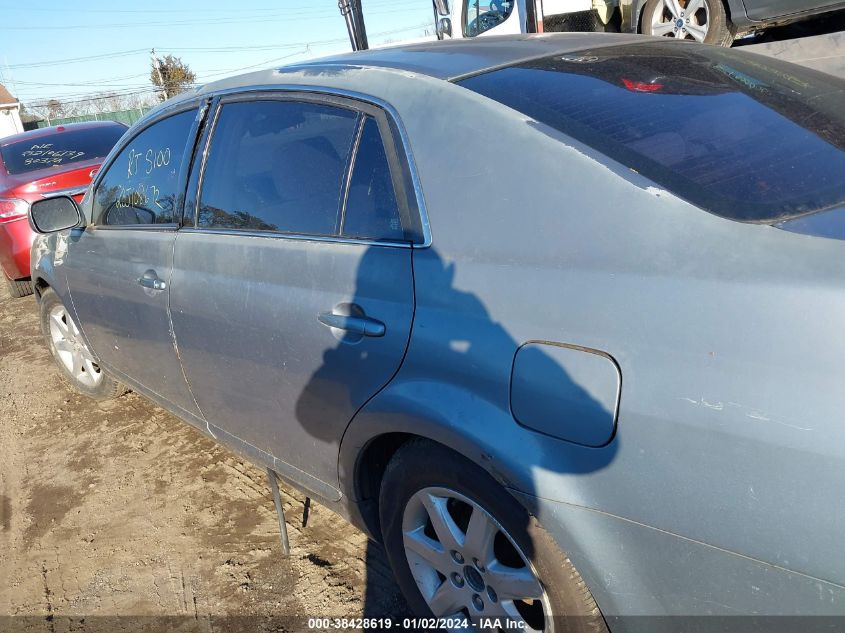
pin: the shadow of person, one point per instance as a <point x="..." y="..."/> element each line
<point x="456" y="364"/>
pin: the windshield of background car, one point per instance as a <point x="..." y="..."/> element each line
<point x="742" y="136"/>
<point x="481" y="16"/>
<point x="60" y="149"/>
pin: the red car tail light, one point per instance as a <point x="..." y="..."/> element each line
<point x="12" y="209"/>
<point x="639" y="86"/>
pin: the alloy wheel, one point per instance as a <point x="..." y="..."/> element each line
<point x="466" y="565"/>
<point x="70" y="349"/>
<point x="682" y="19"/>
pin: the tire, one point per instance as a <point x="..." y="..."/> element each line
<point x="20" y="288"/>
<point x="465" y="492"/>
<point x="709" y="15"/>
<point x="70" y="351"/>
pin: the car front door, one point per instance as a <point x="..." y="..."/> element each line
<point x="292" y="297"/>
<point x="118" y="267"/>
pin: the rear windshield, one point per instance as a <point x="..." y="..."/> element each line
<point x="740" y="135"/>
<point x="60" y="149"/>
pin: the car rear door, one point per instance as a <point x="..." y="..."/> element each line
<point x="118" y="268"/>
<point x="292" y="297"/>
<point x="760" y="10"/>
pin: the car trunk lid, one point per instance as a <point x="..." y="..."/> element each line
<point x="34" y="185"/>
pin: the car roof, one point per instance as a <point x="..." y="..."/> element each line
<point x="449" y="59"/>
<point x="57" y="129"/>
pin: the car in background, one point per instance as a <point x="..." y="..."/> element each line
<point x="555" y="318"/>
<point x="717" y="22"/>
<point x="36" y="164"/>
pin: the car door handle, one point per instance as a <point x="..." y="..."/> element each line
<point x="365" y="326"/>
<point x="150" y="280"/>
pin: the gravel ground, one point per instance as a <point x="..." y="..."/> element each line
<point x="118" y="516"/>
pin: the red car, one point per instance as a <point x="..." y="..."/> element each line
<point x="34" y="165"/>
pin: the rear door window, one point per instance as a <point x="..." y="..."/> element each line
<point x="277" y="165"/>
<point x="371" y="208"/>
<point x="142" y="184"/>
<point x="742" y="136"/>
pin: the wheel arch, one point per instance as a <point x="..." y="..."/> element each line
<point x="371" y="463"/>
<point x="368" y="472"/>
<point x="399" y="414"/>
<point x="39" y="285"/>
<point x="480" y="431"/>
<point x="637" y="16"/>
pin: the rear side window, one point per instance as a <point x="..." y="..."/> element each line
<point x="277" y="165"/>
<point x="58" y="150"/>
<point x="141" y="185"/>
<point x="371" y="209"/>
<point x="742" y="136"/>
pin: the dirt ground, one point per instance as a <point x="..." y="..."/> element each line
<point x="118" y="516"/>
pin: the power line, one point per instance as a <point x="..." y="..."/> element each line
<point x="38" y="104"/>
<point x="306" y="45"/>
<point x="96" y="82"/>
<point x="214" y="73"/>
<point x="196" y="49"/>
<point x="55" y="10"/>
<point x="73" y="60"/>
<point x="259" y="64"/>
<point x="195" y="22"/>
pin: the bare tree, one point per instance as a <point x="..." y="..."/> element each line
<point x="55" y="109"/>
<point x="116" y="102"/>
<point x="38" y="110"/>
<point x="139" y="101"/>
<point x="101" y="102"/>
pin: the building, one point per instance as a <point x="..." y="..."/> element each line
<point x="10" y="116"/>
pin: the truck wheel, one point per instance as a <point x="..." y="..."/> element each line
<point x="19" y="288"/>
<point x="462" y="548"/>
<point x="78" y="367"/>
<point x="704" y="21"/>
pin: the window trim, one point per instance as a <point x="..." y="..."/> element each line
<point x="349" y="170"/>
<point x="201" y="108"/>
<point x="403" y="169"/>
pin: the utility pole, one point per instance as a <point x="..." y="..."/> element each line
<point x="354" y="18"/>
<point x="346" y="12"/>
<point x="358" y="13"/>
<point x="158" y="72"/>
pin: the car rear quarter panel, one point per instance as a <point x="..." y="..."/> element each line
<point x="727" y="337"/>
<point x="15" y="241"/>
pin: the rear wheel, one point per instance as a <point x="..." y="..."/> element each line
<point x="704" y="21"/>
<point x="78" y="366"/>
<point x="20" y="288"/>
<point x="463" y="548"/>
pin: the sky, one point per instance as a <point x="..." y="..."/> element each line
<point x="69" y="49"/>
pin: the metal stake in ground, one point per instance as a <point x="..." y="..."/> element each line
<point x="280" y="511"/>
